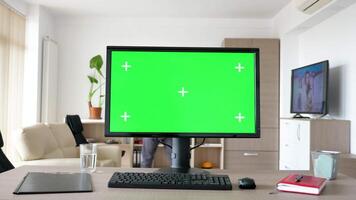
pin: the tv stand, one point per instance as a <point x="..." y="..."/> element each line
<point x="299" y="136"/>
<point x="299" y="116"/>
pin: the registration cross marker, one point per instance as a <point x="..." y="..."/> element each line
<point x="239" y="67"/>
<point x="183" y="92"/>
<point x="239" y="117"/>
<point x="125" y="116"/>
<point x="126" y="66"/>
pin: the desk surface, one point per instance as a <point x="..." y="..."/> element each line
<point x="343" y="187"/>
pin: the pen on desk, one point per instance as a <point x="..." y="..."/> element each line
<point x="298" y="178"/>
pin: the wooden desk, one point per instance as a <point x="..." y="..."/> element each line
<point x="343" y="187"/>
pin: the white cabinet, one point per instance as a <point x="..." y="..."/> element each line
<point x="294" y="145"/>
<point x="298" y="137"/>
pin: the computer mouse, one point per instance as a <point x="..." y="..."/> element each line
<point x="247" y="183"/>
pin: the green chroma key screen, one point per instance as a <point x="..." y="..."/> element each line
<point x="199" y="92"/>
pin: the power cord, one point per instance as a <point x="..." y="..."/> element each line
<point x="165" y="144"/>
<point x="202" y="142"/>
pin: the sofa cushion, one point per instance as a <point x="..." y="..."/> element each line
<point x="36" y="142"/>
<point x="70" y="162"/>
<point x="105" y="163"/>
<point x="65" y="140"/>
<point x="109" y="152"/>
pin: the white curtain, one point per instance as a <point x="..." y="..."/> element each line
<point x="12" y="53"/>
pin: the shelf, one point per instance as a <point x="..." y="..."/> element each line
<point x="211" y="146"/>
<point x="93" y="121"/>
<point x="140" y="145"/>
<point x="203" y="146"/>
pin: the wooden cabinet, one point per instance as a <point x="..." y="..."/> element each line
<point x="256" y="160"/>
<point x="347" y="165"/>
<point x="269" y="76"/>
<point x="243" y="153"/>
<point x="298" y="137"/>
<point x="267" y="142"/>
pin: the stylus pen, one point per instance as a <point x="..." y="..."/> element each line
<point x="298" y="178"/>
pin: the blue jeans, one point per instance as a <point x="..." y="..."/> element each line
<point x="149" y="149"/>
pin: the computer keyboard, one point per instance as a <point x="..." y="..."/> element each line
<point x="170" y="181"/>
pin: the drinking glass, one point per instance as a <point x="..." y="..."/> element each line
<point x="88" y="156"/>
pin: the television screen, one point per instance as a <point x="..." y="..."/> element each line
<point x="309" y="89"/>
<point x="182" y="92"/>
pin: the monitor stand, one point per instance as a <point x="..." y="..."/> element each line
<point x="181" y="158"/>
<point x="299" y="116"/>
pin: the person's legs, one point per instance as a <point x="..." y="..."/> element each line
<point x="148" y="151"/>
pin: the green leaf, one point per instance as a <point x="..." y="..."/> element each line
<point x="96" y="89"/>
<point x="92" y="79"/>
<point x="96" y="63"/>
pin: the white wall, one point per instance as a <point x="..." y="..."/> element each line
<point x="289" y="51"/>
<point x="328" y="34"/>
<point x="81" y="38"/>
<point x="289" y="24"/>
<point x="335" y="40"/>
<point x="39" y="23"/>
<point x="46" y="29"/>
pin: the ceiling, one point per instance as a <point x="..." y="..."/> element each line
<point x="166" y="8"/>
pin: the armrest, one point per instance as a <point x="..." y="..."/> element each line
<point x="109" y="152"/>
<point x="126" y="160"/>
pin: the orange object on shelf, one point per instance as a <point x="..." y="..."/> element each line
<point x="207" y="165"/>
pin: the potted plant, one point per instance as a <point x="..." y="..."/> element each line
<point x="96" y="84"/>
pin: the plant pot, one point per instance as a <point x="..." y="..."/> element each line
<point x="95" y="112"/>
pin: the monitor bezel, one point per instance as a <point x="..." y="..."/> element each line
<point x="110" y="49"/>
<point x="326" y="83"/>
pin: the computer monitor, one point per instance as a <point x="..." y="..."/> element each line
<point x="182" y="92"/>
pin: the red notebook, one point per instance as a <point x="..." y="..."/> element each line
<point x="302" y="184"/>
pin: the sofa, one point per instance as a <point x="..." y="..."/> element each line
<point x="54" y="145"/>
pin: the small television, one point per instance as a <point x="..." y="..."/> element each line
<point x="309" y="89"/>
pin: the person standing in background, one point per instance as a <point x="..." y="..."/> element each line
<point x="149" y="149"/>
